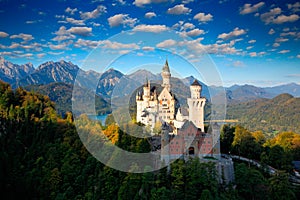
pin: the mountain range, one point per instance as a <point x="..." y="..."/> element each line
<point x="65" y="72"/>
<point x="257" y="108"/>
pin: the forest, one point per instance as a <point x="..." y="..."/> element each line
<point x="42" y="157"/>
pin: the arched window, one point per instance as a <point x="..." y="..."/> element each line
<point x="191" y="151"/>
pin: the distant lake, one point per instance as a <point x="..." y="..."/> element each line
<point x="100" y="118"/>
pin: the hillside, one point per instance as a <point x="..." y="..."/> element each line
<point x="61" y="94"/>
<point x="282" y="113"/>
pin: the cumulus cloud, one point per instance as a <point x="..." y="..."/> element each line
<point x="202" y="17"/>
<point x="253" y="54"/>
<point x="192" y="33"/>
<point x="294" y="7"/>
<point x="271" y="31"/>
<point x="268" y="17"/>
<point x="40" y="55"/>
<point x="298" y="56"/>
<point x="86" y="43"/>
<point x="251" y="41"/>
<point x="276" y="44"/>
<point x="3" y="34"/>
<point x="283" y="18"/>
<point x="71" y="11"/>
<point x="281" y="39"/>
<point x="23" y="36"/>
<point x="166" y="43"/>
<point x="195" y="47"/>
<point x="147" y="48"/>
<point x="284" y="51"/>
<point x="141" y="3"/>
<point x="274" y="17"/>
<point x="73" y="21"/>
<point x="105" y="44"/>
<point x="62" y="34"/>
<point x="179" y="10"/>
<point x="150" y="28"/>
<point x="247" y="8"/>
<point x="150" y="15"/>
<point x="82" y="31"/>
<point x="93" y="14"/>
<point x="121" y="19"/>
<point x="62" y="46"/>
<point x="235" y="33"/>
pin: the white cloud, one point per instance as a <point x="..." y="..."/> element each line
<point x="3" y="34"/>
<point x="63" y="34"/>
<point x="166" y="43"/>
<point x="273" y="16"/>
<point x="298" y="56"/>
<point x="283" y="18"/>
<point x="253" y="54"/>
<point x="271" y="31"/>
<point x="73" y="21"/>
<point x="179" y="10"/>
<point x="33" y="21"/>
<point x="202" y="17"/>
<point x="251" y="41"/>
<point x="192" y="33"/>
<point x="269" y="17"/>
<point x="23" y="36"/>
<point x="141" y="3"/>
<point x="276" y="44"/>
<point x="188" y="26"/>
<point x="122" y="2"/>
<point x="147" y="48"/>
<point x="284" y="51"/>
<point x="294" y="7"/>
<point x="62" y="46"/>
<point x="235" y="33"/>
<point x="107" y="44"/>
<point x="40" y="55"/>
<point x="82" y="31"/>
<point x="93" y="14"/>
<point x="150" y="28"/>
<point x="86" y="43"/>
<point x="150" y="15"/>
<point x="187" y="1"/>
<point x="196" y="48"/>
<point x="71" y="11"/>
<point x="281" y="40"/>
<point x="247" y="8"/>
<point x="121" y="19"/>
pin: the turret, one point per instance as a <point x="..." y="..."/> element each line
<point x="196" y="105"/>
<point x="166" y="75"/>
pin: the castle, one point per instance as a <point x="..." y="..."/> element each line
<point x="182" y="131"/>
<point x="153" y="107"/>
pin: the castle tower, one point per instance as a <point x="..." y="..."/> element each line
<point x="196" y="105"/>
<point x="146" y="93"/>
<point x="166" y="75"/>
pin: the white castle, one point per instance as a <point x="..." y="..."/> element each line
<point x="188" y="126"/>
<point x="153" y="107"/>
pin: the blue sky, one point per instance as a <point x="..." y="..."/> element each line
<point x="248" y="42"/>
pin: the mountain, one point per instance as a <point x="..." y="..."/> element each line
<point x="246" y="93"/>
<point x="292" y="88"/>
<point x="51" y="72"/>
<point x="11" y="73"/>
<point x="61" y="94"/>
<point x="141" y="75"/>
<point x="281" y="113"/>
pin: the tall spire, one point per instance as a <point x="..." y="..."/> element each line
<point x="166" y="67"/>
